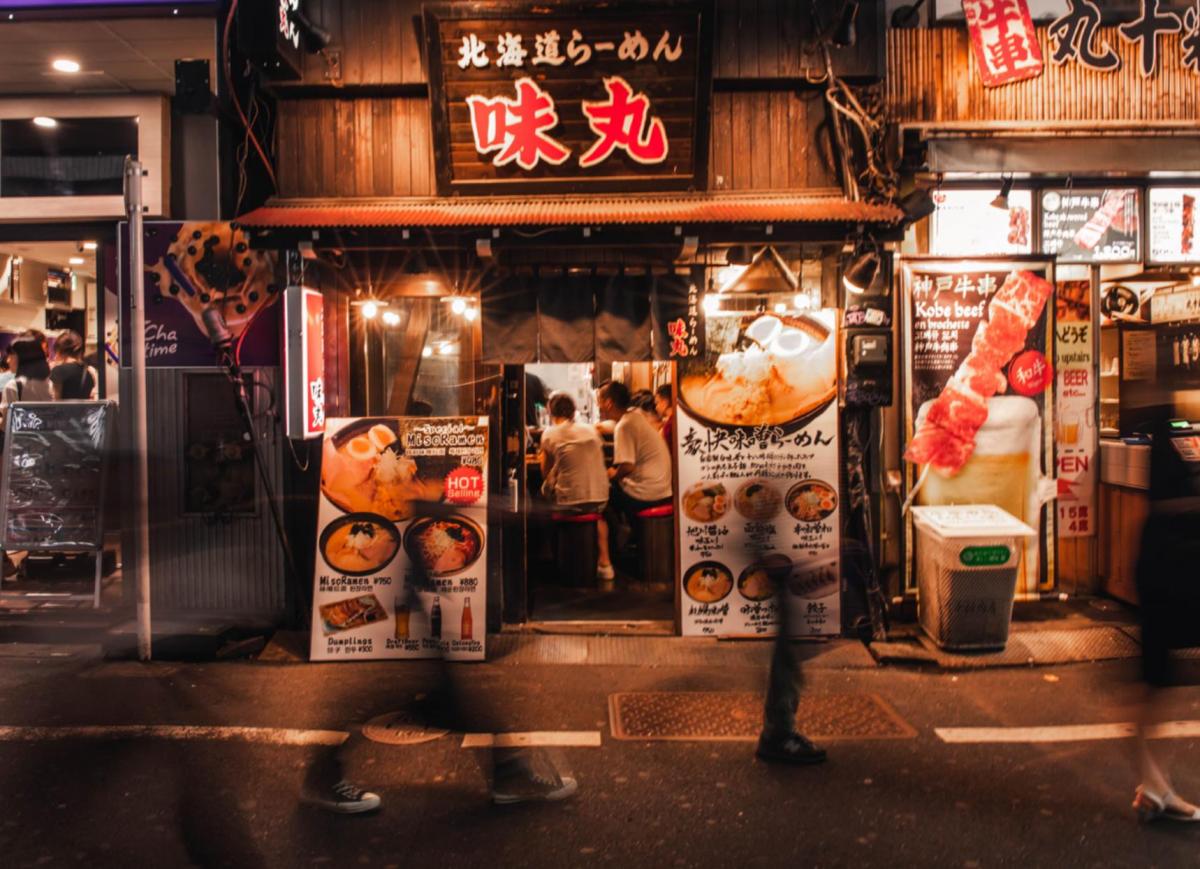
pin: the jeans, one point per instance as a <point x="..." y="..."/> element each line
<point x="785" y="681"/>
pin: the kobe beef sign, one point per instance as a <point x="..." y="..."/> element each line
<point x="578" y="97"/>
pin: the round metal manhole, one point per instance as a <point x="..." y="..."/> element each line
<point x="400" y="728"/>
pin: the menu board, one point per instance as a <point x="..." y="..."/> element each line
<point x="401" y="560"/>
<point x="1075" y="364"/>
<point x="1092" y="226"/>
<point x="1172" y="223"/>
<point x="977" y="410"/>
<point x="55" y="471"/>
<point x="965" y="223"/>
<point x="758" y="502"/>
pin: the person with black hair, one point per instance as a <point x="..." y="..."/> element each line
<point x="641" y="472"/>
<point x="71" y="378"/>
<point x="664" y="406"/>
<point x="27" y="359"/>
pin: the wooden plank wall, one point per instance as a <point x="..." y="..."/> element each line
<point x="932" y="75"/>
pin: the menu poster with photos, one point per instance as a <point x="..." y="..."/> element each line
<point x="1092" y="225"/>
<point x="1075" y="366"/>
<point x="398" y="494"/>
<point x="978" y="379"/>
<point x="758" y="501"/>
<point x="1172" y="223"/>
<point x="965" y="223"/>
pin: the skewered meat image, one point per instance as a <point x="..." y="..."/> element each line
<point x="945" y="438"/>
<point x="1093" y="231"/>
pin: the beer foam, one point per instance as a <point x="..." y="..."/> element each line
<point x="1011" y="427"/>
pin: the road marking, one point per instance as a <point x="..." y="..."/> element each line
<point x="1065" y="733"/>
<point x="536" y="738"/>
<point x="182" y="733"/>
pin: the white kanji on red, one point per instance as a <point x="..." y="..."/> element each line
<point x="1004" y="40"/>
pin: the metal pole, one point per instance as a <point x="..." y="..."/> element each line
<point x="141" y="458"/>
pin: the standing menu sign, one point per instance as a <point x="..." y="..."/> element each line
<point x="1092" y="226"/>
<point x="978" y="414"/>
<point x="55" y="471"/>
<point x="757" y="435"/>
<point x="1172" y="224"/>
<point x="1075" y="361"/>
<point x="401" y="561"/>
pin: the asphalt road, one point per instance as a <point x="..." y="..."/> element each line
<point x="903" y="802"/>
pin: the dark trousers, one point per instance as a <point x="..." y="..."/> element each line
<point x="785" y="681"/>
<point x="628" y="507"/>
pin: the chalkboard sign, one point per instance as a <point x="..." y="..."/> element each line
<point x="55" y="467"/>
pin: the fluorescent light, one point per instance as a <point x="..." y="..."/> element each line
<point x="65" y="64"/>
<point x="90" y="245"/>
<point x="446" y="349"/>
<point x="76" y="260"/>
<point x="45" y="122"/>
<point x="369" y="310"/>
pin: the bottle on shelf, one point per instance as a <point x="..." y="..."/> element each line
<point x="468" y="622"/>
<point x="435" y="619"/>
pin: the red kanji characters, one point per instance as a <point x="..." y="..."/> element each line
<point x="517" y="128"/>
<point x="678" y="331"/>
<point x="624" y="122"/>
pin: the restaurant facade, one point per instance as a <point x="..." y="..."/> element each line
<point x="481" y="206"/>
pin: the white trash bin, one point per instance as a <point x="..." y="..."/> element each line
<point x="967" y="561"/>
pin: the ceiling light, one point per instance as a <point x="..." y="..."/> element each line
<point x="90" y="245"/>
<point x="76" y="260"/>
<point x="780" y="308"/>
<point x="427" y="352"/>
<point x="712" y="303"/>
<point x="446" y="349"/>
<point x="470" y="314"/>
<point x="458" y="305"/>
<point x="863" y="270"/>
<point x="1001" y="200"/>
<point x="45" y="122"/>
<point x="65" y="64"/>
<point x="391" y="318"/>
<point x="370" y="309"/>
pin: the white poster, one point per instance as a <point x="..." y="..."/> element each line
<point x="1172" y="223"/>
<point x="759" y="503"/>
<point x="965" y="223"/>
<point x="397" y="492"/>
<point x="1075" y="366"/>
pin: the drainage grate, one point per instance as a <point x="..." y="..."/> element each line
<point x="1042" y="646"/>
<point x="400" y="728"/>
<point x="728" y="716"/>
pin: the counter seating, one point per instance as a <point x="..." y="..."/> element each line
<point x="574" y="547"/>
<point x="657" y="533"/>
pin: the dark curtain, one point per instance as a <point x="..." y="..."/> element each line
<point x="670" y="306"/>
<point x="510" y="320"/>
<point x="623" y="317"/>
<point x="566" y="318"/>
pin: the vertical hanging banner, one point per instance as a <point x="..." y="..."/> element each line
<point x="758" y="503"/>
<point x="978" y="409"/>
<point x="304" y="362"/>
<point x="1075" y="363"/>
<point x="1004" y="39"/>
<point x="401" y="562"/>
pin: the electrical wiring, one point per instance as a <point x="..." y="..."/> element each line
<point x="227" y="66"/>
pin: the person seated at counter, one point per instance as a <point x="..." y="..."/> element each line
<point x="664" y="405"/>
<point x="641" y="471"/>
<point x="31" y="381"/>
<point x="572" y="457"/>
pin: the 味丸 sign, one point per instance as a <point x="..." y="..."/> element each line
<point x="557" y="98"/>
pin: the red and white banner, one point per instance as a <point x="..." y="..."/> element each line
<point x="304" y="360"/>
<point x="1004" y="40"/>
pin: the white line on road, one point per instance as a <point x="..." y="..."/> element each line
<point x="537" y="738"/>
<point x="261" y="735"/>
<point x="1065" y="732"/>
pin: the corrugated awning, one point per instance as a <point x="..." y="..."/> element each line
<point x="574" y="210"/>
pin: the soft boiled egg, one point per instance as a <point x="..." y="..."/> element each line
<point x="381" y="437"/>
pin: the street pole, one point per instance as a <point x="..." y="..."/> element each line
<point x="141" y="458"/>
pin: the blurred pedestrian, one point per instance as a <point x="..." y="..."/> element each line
<point x="1169" y="604"/>
<point x="71" y="378"/>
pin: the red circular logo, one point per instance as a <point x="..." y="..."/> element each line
<point x="1030" y="374"/>
<point x="464" y="486"/>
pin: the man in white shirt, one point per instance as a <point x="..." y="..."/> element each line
<point x="641" y="471"/>
<point x="573" y="472"/>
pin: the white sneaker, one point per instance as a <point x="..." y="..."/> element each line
<point x="605" y="572"/>
<point x="346" y="798"/>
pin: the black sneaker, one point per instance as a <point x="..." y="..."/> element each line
<point x="531" y="782"/>
<point x="346" y="798"/>
<point x="789" y="748"/>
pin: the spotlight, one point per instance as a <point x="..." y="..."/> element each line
<point x="369" y="310"/>
<point x="315" y="36"/>
<point x="847" y="30"/>
<point x="391" y="318"/>
<point x="917" y="205"/>
<point x="45" y="122"/>
<point x="1001" y="201"/>
<point x="470" y="314"/>
<point x="65" y="64"/>
<point x="861" y="274"/>
<point x="906" y="16"/>
<point x="712" y="303"/>
<point x="427" y="352"/>
<point x="458" y="306"/>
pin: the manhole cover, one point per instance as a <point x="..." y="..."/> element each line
<point x="720" y="715"/>
<point x="400" y="728"/>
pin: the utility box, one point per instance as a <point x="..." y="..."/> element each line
<point x="967" y="562"/>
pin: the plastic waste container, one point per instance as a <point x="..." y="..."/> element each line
<point x="967" y="561"/>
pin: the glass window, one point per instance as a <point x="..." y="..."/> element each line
<point x="65" y="156"/>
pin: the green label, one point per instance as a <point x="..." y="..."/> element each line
<point x="984" y="556"/>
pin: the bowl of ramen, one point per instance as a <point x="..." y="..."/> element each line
<point x="757" y="499"/>
<point x="359" y="544"/>
<point x="352" y="612"/>
<point x="705" y="502"/>
<point x="708" y="582"/>
<point x="811" y="501"/>
<point x="813" y="581"/>
<point x="758" y="581"/>
<point x="442" y="545"/>
<point x="364" y="470"/>
<point x="782" y="371"/>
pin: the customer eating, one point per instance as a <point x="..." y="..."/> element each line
<point x="641" y="471"/>
<point x="572" y="457"/>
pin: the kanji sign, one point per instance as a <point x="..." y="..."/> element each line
<point x="1075" y="36"/>
<point x="569" y="98"/>
<point x="1004" y="40"/>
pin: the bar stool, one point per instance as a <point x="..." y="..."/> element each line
<point x="657" y="527"/>
<point x="575" y="547"/>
